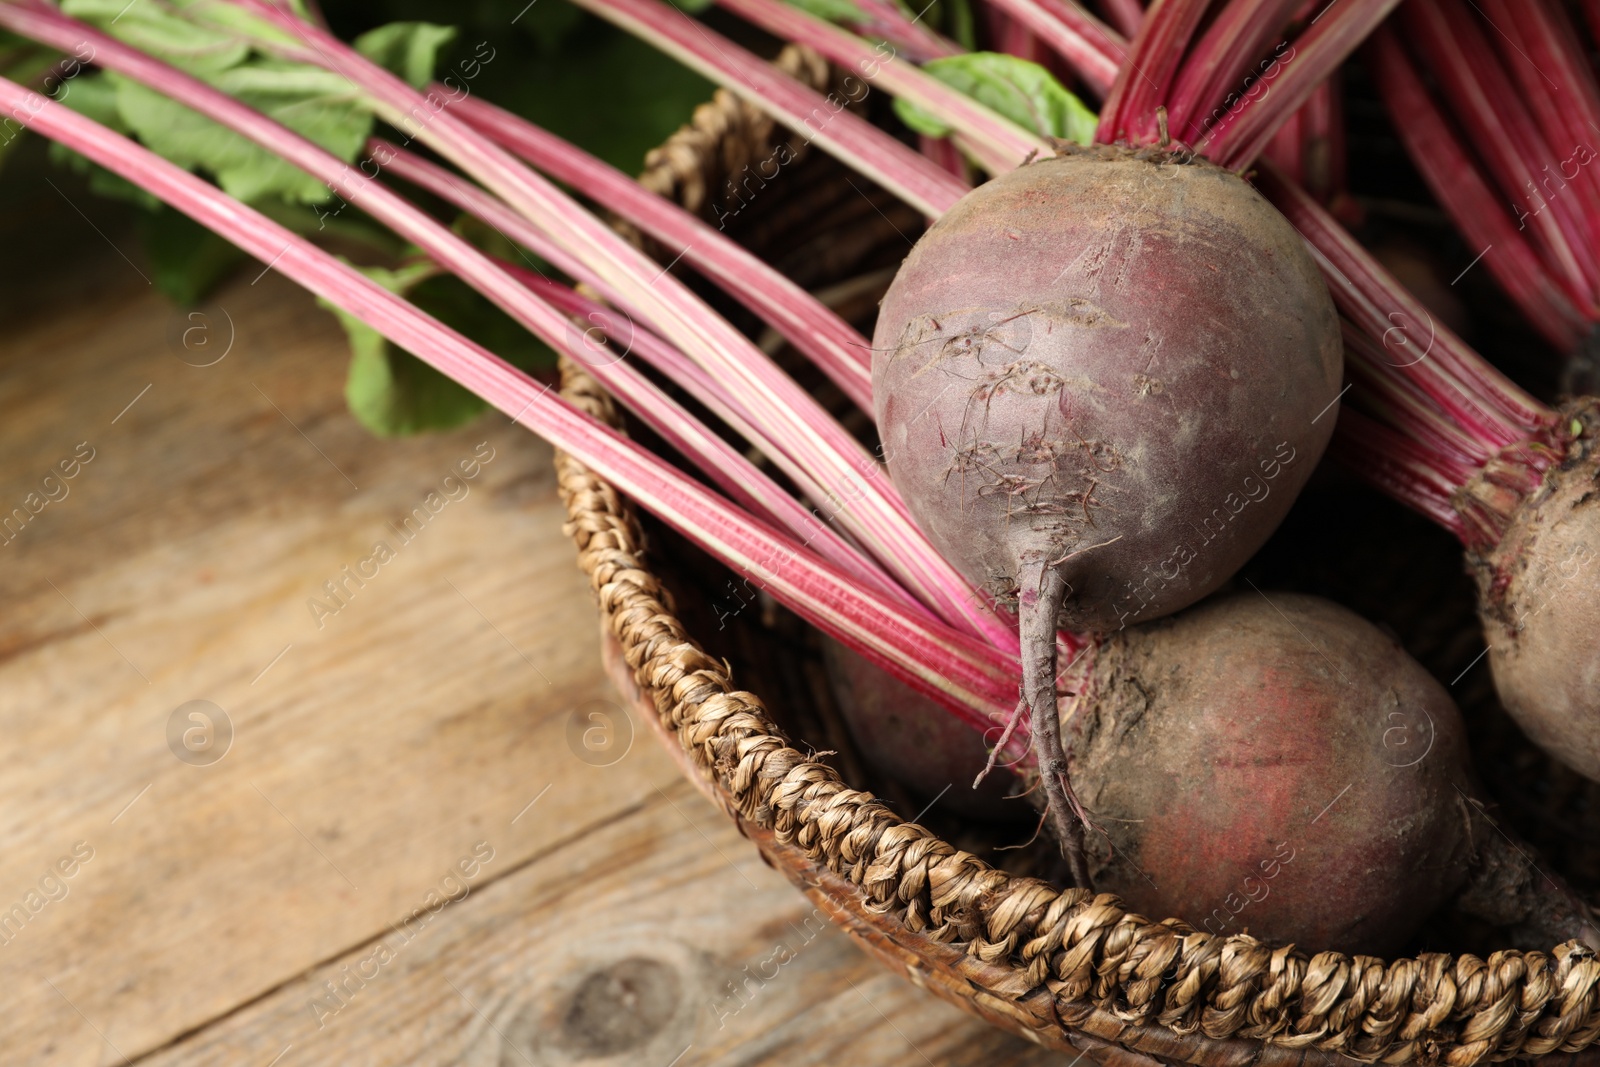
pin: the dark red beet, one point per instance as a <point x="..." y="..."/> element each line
<point x="1100" y="381"/>
<point x="1103" y="350"/>
<point x="914" y="740"/>
<point x="1275" y="768"/>
<point x="1539" y="597"/>
<point x="1282" y="769"/>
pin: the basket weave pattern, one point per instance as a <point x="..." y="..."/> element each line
<point x="1060" y="967"/>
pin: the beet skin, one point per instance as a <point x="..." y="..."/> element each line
<point x="1100" y="381"/>
<point x="1282" y="769"/>
<point x="1539" y="598"/>
<point x="914" y="740"/>
<point x="1110" y="364"/>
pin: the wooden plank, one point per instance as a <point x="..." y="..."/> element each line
<point x="370" y="751"/>
<point x="660" y="939"/>
<point x="434" y="716"/>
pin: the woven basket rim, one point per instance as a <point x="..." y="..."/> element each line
<point x="1158" y="988"/>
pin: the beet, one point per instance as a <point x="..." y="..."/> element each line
<point x="1100" y="381"/>
<point x="1278" y="768"/>
<point x="1282" y="769"/>
<point x="1539" y="598"/>
<point x="1111" y="365"/>
<point x="914" y="740"/>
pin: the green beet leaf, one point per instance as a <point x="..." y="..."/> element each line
<point x="410" y="49"/>
<point x="150" y="27"/>
<point x="391" y="392"/>
<point x="242" y="168"/>
<point x="1024" y="92"/>
<point x="320" y="105"/>
<point x="186" y="259"/>
<point x="831" y="10"/>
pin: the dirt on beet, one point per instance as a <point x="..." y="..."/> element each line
<point x="1539" y="599"/>
<point x="1112" y="363"/>
<point x="1279" y="768"/>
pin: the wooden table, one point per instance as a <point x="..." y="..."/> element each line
<point x="301" y="899"/>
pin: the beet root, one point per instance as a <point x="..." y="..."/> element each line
<point x="1110" y="364"/>
<point x="1509" y="889"/>
<point x="1539" y="598"/>
<point x="914" y="740"/>
<point x="1278" y="768"/>
<point x="1100" y="381"/>
<point x="1253" y="829"/>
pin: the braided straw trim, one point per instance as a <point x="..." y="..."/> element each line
<point x="1057" y="966"/>
<point x="724" y="137"/>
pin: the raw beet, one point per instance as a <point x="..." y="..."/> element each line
<point x="1100" y="381"/>
<point x="1215" y="750"/>
<point x="911" y="738"/>
<point x="1112" y="364"/>
<point x="1282" y="769"/>
<point x="1539" y="598"/>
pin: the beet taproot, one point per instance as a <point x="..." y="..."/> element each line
<point x="1279" y="768"/>
<point x="1100" y="381"/>
<point x="914" y="740"/>
<point x="1539" y="599"/>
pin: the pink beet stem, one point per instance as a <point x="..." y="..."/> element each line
<point x="1457" y="183"/>
<point x="1287" y="148"/>
<point x="943" y="151"/>
<point x="1092" y="49"/>
<point x="1324" y="141"/>
<point x="459" y="192"/>
<point x="1498" y="126"/>
<point x="911" y="37"/>
<point x="838" y="349"/>
<point x="1387" y="385"/>
<point x="692" y="379"/>
<point x="1483" y="400"/>
<point x="1012" y="36"/>
<point x="1324" y="49"/>
<point x="1125" y="15"/>
<point x="998" y="144"/>
<point x="743" y="482"/>
<point x="1146" y="75"/>
<point x="825" y="119"/>
<point x="1560" y="90"/>
<point x="705" y="388"/>
<point x="1228" y="56"/>
<point x="962" y="673"/>
<point x="1591" y="16"/>
<point x="1237" y="139"/>
<point x="862" y="499"/>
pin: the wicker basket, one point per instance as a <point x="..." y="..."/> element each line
<point x="1060" y="968"/>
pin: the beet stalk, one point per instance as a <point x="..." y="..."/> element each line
<point x="966" y="676"/>
<point x="1514" y="480"/>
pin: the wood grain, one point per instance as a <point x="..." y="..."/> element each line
<point x="660" y="939"/>
<point x="371" y="753"/>
<point x="417" y="720"/>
